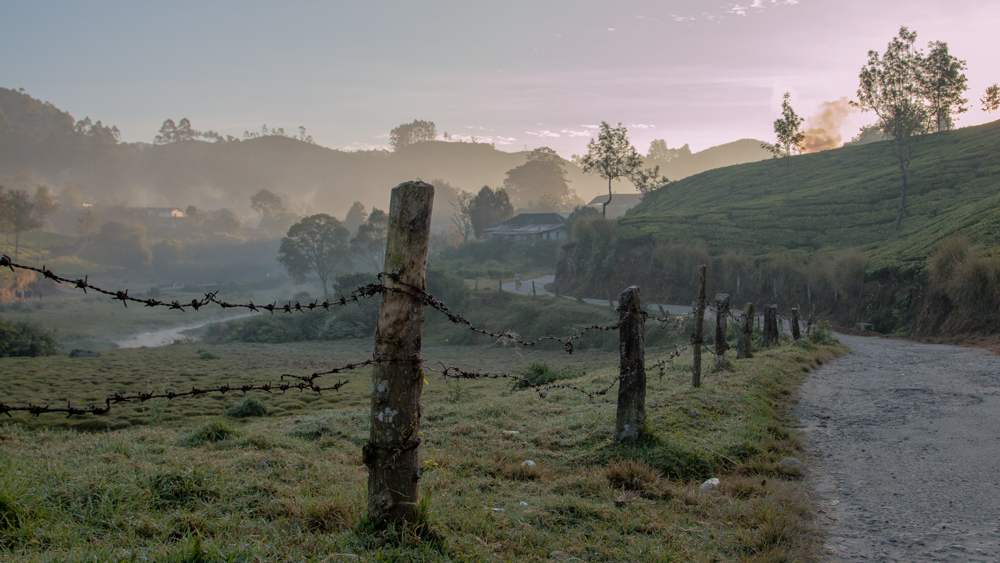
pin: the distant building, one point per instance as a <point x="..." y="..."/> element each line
<point x="620" y="203"/>
<point x="528" y="227"/>
<point x="157" y="217"/>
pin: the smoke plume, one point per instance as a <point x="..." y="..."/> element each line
<point x="823" y="129"/>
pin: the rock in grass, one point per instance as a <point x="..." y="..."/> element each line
<point x="527" y="463"/>
<point x="709" y="485"/>
<point x="80" y="353"/>
<point x="792" y="463"/>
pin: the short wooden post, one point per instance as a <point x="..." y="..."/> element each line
<point x="662" y="312"/>
<point x="699" y="327"/>
<point x="631" y="417"/>
<point x="770" y="325"/>
<point x="721" y="322"/>
<point x="796" y="332"/>
<point x="533" y="292"/>
<point x="398" y="378"/>
<point x="477" y="285"/>
<point x="744" y="346"/>
<point x="500" y="284"/>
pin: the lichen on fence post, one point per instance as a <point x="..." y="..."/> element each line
<point x="770" y="325"/>
<point x="796" y="332"/>
<point x="699" y="327"/>
<point x="398" y="377"/>
<point x="721" y="322"/>
<point x="631" y="417"/>
<point x="744" y="345"/>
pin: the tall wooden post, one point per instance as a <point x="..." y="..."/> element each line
<point x="699" y="327"/>
<point x="721" y="322"/>
<point x="631" y="417"/>
<point x="744" y="346"/>
<point x="770" y="325"/>
<point x="796" y="332"/>
<point x="398" y="377"/>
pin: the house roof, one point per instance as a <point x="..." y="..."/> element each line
<point x="529" y="223"/>
<point x="618" y="199"/>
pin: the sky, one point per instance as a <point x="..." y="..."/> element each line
<point x="520" y="73"/>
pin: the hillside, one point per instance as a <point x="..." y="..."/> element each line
<point x="40" y="143"/>
<point x="838" y="199"/>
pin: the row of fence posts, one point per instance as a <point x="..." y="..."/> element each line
<point x="391" y="454"/>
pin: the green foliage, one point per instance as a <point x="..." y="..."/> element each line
<point x="248" y="407"/>
<point x="494" y="259"/>
<point x="488" y="209"/>
<point x="822" y="334"/>
<point x="317" y="243"/>
<point x="26" y="338"/>
<point x="214" y="431"/>
<point x="540" y="183"/>
<point x="120" y="243"/>
<point x="411" y="133"/>
<point x="539" y="373"/>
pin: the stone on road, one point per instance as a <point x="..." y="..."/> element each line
<point x="905" y="442"/>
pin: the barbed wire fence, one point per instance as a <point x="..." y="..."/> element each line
<point x="397" y="377"/>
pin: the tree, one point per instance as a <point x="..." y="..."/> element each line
<point x="369" y="243"/>
<point x="20" y="209"/>
<point x="612" y="157"/>
<point x="6" y="217"/>
<point x="355" y="217"/>
<point x="166" y="134"/>
<point x="488" y="209"/>
<point x="943" y="84"/>
<point x="991" y="100"/>
<point x="461" y="214"/>
<point x="542" y="177"/>
<point x="317" y="243"/>
<point x="659" y="152"/>
<point x="789" y="138"/>
<point x="120" y="243"/>
<point x="266" y="204"/>
<point x="890" y="86"/>
<point x="171" y="132"/>
<point x="88" y="224"/>
<point x="412" y="133"/>
<point x="45" y="206"/>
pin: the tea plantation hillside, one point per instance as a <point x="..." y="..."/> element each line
<point x="837" y="199"/>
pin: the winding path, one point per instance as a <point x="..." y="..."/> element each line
<point x="905" y="442"/>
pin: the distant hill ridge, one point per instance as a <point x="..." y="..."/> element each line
<point x="837" y="199"/>
<point x="39" y="142"/>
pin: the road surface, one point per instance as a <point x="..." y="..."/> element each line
<point x="905" y="441"/>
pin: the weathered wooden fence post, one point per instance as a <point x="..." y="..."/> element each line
<point x="398" y="377"/>
<point x="631" y="417"/>
<point x="533" y="292"/>
<point x="699" y="327"/>
<point x="744" y="346"/>
<point x="770" y="325"/>
<point x="796" y="333"/>
<point x="721" y="322"/>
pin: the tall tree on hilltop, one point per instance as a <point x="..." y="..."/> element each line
<point x="488" y="209"/>
<point x="890" y="86"/>
<point x="317" y="243"/>
<point x="789" y="138"/>
<point x="943" y="84"/>
<point x="991" y="99"/>
<point x="612" y="157"/>
<point x="412" y="133"/>
<point x="45" y="206"/>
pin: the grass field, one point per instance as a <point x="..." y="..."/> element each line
<point x="838" y="199"/>
<point x="180" y="481"/>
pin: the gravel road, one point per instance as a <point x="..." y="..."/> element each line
<point x="905" y="451"/>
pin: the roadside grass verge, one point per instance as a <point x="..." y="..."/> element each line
<point x="290" y="486"/>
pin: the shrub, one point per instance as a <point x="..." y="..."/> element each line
<point x="539" y="373"/>
<point x="822" y="334"/>
<point x="26" y="338"/>
<point x="248" y="407"/>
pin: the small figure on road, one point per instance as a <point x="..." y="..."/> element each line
<point x="517" y="281"/>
